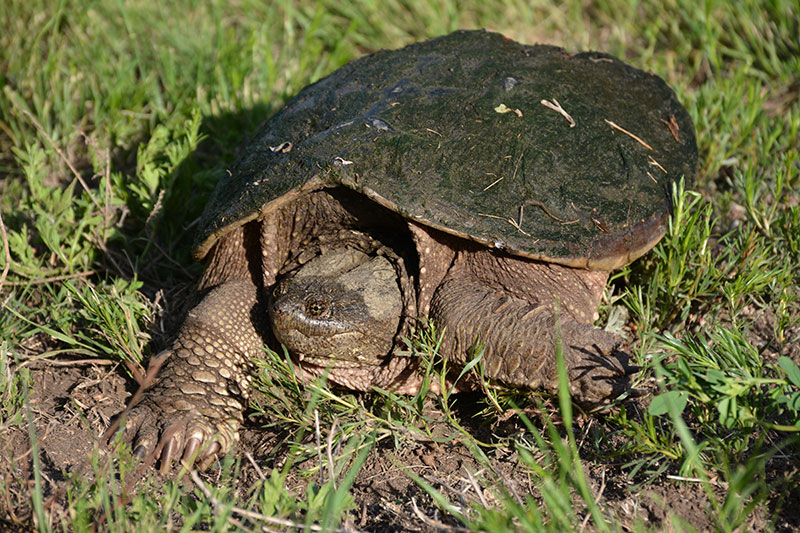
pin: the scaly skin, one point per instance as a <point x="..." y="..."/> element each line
<point x="510" y="306"/>
<point x="519" y="341"/>
<point x="197" y="402"/>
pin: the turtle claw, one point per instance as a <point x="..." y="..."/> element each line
<point x="198" y="453"/>
<point x="140" y="452"/>
<point x="190" y="450"/>
<point x="207" y="457"/>
<point x="135" y="428"/>
<point x="168" y="454"/>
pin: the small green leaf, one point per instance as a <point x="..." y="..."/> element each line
<point x="684" y="369"/>
<point x="662" y="403"/>
<point x="716" y="377"/>
<point x="727" y="409"/>
<point x="792" y="402"/>
<point x="790" y="367"/>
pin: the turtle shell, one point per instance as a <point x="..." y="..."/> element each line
<point x="545" y="154"/>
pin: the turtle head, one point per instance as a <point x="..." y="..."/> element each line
<point x="342" y="308"/>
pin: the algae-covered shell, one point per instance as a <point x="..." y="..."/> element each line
<point x="558" y="157"/>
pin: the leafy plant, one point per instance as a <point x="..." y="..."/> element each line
<point x="723" y="377"/>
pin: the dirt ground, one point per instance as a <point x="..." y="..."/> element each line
<point x="73" y="401"/>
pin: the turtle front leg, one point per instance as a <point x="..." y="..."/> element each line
<point x="519" y="340"/>
<point x="196" y="402"/>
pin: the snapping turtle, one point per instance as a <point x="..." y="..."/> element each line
<point x="488" y="185"/>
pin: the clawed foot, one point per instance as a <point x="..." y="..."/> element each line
<point x="599" y="372"/>
<point x="173" y="430"/>
<point x="192" y="398"/>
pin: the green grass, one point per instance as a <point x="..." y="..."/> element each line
<point x="117" y="119"/>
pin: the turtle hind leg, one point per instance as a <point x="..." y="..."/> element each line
<point x="195" y="406"/>
<point x="519" y="337"/>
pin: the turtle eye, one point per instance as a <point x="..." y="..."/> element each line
<point x="316" y="308"/>
<point x="277" y="291"/>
